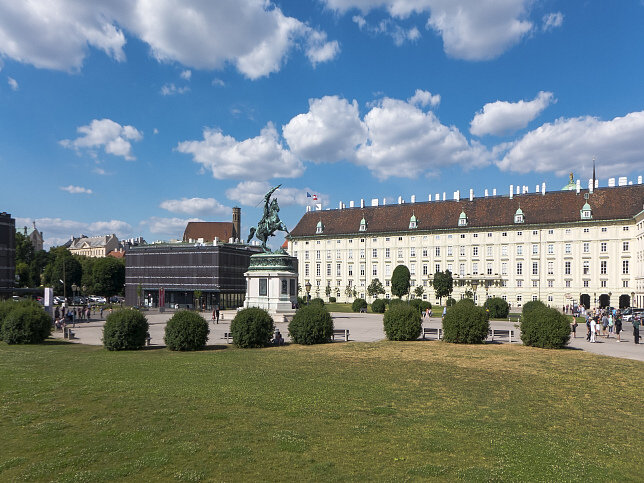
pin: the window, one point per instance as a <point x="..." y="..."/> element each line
<point x="505" y="233"/>
<point x="519" y="268"/>
<point x="624" y="228"/>
<point x="475" y="268"/>
<point x="535" y="268"/>
<point x="603" y="283"/>
<point x="318" y="269"/>
<point x="475" y="251"/>
<point x="603" y="247"/>
<point x="489" y="269"/>
<point x="534" y="298"/>
<point x="567" y="268"/>
<point x="519" y="283"/>
<point x="625" y="267"/>
<point x="625" y="246"/>
<point x="535" y="249"/>
<point x="604" y="229"/>
<point x="399" y="238"/>
<point x="489" y="250"/>
<point x="437" y="267"/>
<point x="551" y="268"/>
<point x="317" y="254"/>
<point x="550" y="232"/>
<point x="350" y="270"/>
<point x="586" y="267"/>
<point x="586" y="247"/>
<point x="586" y="230"/>
<point x="425" y="252"/>
<point x="504" y="268"/>
<point x="328" y="254"/>
<point x="519" y="250"/>
<point x="306" y="255"/>
<point x="362" y="269"/>
<point x="462" y="250"/>
<point x="350" y="254"/>
<point x="567" y="283"/>
<point x="306" y="270"/>
<point x="450" y="268"/>
<point x="412" y="252"/>
<point x="362" y="253"/>
<point x="338" y="254"/>
<point x="519" y="298"/>
<point x="338" y="270"/>
<point x="425" y="271"/>
<point x="489" y="235"/>
<point x="328" y="269"/>
<point x="461" y="269"/>
<point x="374" y="253"/>
<point x="449" y="251"/>
<point x="387" y="239"/>
<point x="400" y="255"/>
<point x="476" y="235"/>
<point x="374" y="270"/>
<point x="603" y="267"/>
<point x="387" y="253"/>
<point x="412" y="269"/>
<point x="462" y="235"/>
<point x="551" y="249"/>
<point x="387" y="270"/>
<point x="438" y="251"/>
<point x="535" y="232"/>
<point x="504" y="250"/>
<point x="519" y="233"/>
<point x="568" y="249"/>
<point x="550" y="298"/>
<point x="625" y="283"/>
<point x="551" y="283"/>
<point x="585" y="283"/>
<point x="567" y="231"/>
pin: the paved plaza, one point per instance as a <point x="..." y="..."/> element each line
<point x="362" y="328"/>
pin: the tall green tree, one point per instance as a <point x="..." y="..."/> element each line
<point x="63" y="266"/>
<point x="37" y="267"/>
<point x="24" y="249"/>
<point x="443" y="284"/>
<point x="108" y="276"/>
<point x="400" y="281"/>
<point x="375" y="288"/>
<point x="419" y="291"/>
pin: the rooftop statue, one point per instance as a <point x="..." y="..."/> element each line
<point x="270" y="222"/>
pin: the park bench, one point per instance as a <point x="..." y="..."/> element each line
<point x="148" y="341"/>
<point x="341" y="333"/>
<point x="501" y="333"/>
<point x="68" y="333"/>
<point x="436" y="332"/>
<point x="363" y="310"/>
<point x="228" y="336"/>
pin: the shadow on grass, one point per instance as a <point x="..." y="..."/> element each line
<point x="54" y="341"/>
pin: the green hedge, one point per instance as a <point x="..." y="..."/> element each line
<point x="545" y="327"/>
<point x="402" y="322"/>
<point x="498" y="308"/>
<point x="332" y="300"/>
<point x="532" y="305"/>
<point x="317" y="301"/>
<point x="378" y="306"/>
<point x="311" y="325"/>
<point x="252" y="327"/>
<point x="26" y="324"/>
<point x="186" y="331"/>
<point x="358" y="304"/>
<point x="450" y="302"/>
<point x="125" y="330"/>
<point x="465" y="323"/>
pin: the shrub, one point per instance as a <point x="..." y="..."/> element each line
<point x="402" y="322"/>
<point x="311" y="325"/>
<point x="332" y="300"/>
<point x="465" y="323"/>
<point x="301" y="301"/>
<point x="400" y="281"/>
<point x="415" y="303"/>
<point x="545" y="327"/>
<point x="125" y="330"/>
<point x="358" y="304"/>
<point x="26" y="324"/>
<point x="394" y="302"/>
<point x="378" y="306"/>
<point x="252" y="327"/>
<point x="450" y="302"/>
<point x="7" y="306"/>
<point x="186" y="331"/>
<point x="317" y="301"/>
<point x="420" y="305"/>
<point x="498" y="308"/>
<point x="532" y="305"/>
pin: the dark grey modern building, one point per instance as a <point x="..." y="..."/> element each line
<point x="7" y="254"/>
<point x="167" y="275"/>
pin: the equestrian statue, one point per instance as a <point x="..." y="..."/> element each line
<point x="270" y="222"/>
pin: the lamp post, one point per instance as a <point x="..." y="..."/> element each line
<point x="74" y="290"/>
<point x="632" y="299"/>
<point x="474" y="285"/>
<point x="307" y="286"/>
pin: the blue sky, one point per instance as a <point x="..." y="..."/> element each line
<point x="133" y="117"/>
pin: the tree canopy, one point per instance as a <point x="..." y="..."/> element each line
<point x="443" y="284"/>
<point x="375" y="288"/>
<point x="400" y="281"/>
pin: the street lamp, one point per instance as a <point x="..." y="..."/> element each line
<point x="74" y="290"/>
<point x="307" y="286"/>
<point x="474" y="285"/>
<point x="632" y="299"/>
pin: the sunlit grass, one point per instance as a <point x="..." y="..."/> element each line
<point x="365" y="411"/>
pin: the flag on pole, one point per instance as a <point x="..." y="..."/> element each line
<point x="308" y="195"/>
<point x="315" y="197"/>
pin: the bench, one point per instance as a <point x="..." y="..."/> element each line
<point x="148" y="340"/>
<point x="363" y="310"/>
<point x="502" y="333"/>
<point x="342" y="333"/>
<point x="68" y="333"/>
<point x="437" y="332"/>
<point x="228" y="336"/>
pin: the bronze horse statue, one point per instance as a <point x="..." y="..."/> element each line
<point x="270" y="222"/>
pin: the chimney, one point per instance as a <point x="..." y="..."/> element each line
<point x="413" y="198"/>
<point x="340" y="205"/>
<point x="400" y="200"/>
<point x="361" y="202"/>
<point x="639" y="179"/>
<point x="429" y="198"/>
<point x="494" y="192"/>
<point x="374" y="202"/>
<point x="384" y="201"/>
<point x="511" y="191"/>
<point x="622" y="181"/>
<point x="536" y="189"/>
<point x="351" y="204"/>
<point x="486" y="193"/>
<point x="590" y="186"/>
<point x="457" y="195"/>
<point x="543" y="188"/>
<point x="308" y="208"/>
<point x="611" y="182"/>
<point x="471" y="194"/>
<point x="578" y="186"/>
<point x="596" y="183"/>
<point x="437" y="197"/>
<point x="236" y="222"/>
<point x="444" y="196"/>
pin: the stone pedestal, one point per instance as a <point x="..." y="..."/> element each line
<point x="271" y="284"/>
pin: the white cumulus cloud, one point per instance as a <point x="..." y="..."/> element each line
<point x="57" y="231"/>
<point x="104" y="133"/>
<point x="330" y="131"/>
<point x="260" y="158"/>
<point x="13" y="83"/>
<point x="571" y="144"/>
<point x="552" y="20"/>
<point x="251" y="193"/>
<point x="171" y="89"/>
<point x="502" y="117"/>
<point x="186" y="74"/>
<point x="253" y="35"/>
<point x="76" y="189"/>
<point x="423" y="98"/>
<point x="470" y="29"/>
<point x="167" y="227"/>
<point x="195" y="206"/>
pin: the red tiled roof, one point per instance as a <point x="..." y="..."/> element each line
<point x="553" y="207"/>
<point x="117" y="254"/>
<point x="208" y="230"/>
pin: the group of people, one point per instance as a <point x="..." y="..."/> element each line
<point x="604" y="322"/>
<point x="215" y="314"/>
<point x="71" y="315"/>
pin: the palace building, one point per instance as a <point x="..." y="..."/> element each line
<point x="575" y="246"/>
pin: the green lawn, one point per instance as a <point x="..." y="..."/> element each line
<point x="344" y="411"/>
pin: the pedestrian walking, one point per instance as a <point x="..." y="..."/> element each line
<point x="618" y="326"/>
<point x="574" y="328"/>
<point x="217" y="312"/>
<point x="593" y="330"/>
<point x="444" y="311"/>
<point x="636" y="329"/>
<point x="214" y="315"/>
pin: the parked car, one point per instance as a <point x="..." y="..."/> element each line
<point x="116" y="299"/>
<point x="58" y="300"/>
<point x="79" y="300"/>
<point x="627" y="314"/>
<point x="97" y="299"/>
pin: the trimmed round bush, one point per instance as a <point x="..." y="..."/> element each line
<point x="26" y="325"/>
<point x="378" y="306"/>
<point x="311" y="325"/>
<point x="532" y="305"/>
<point x="420" y="305"/>
<point x="332" y="300"/>
<point x="394" y="302"/>
<point x="402" y="322"/>
<point x="186" y="331"/>
<point x="358" y="304"/>
<point x="545" y="327"/>
<point x="450" y="302"/>
<point x="465" y="323"/>
<point x="317" y="301"/>
<point x="125" y="330"/>
<point x="252" y="327"/>
<point x="498" y="308"/>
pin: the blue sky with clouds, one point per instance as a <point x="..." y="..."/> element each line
<point x="134" y="117"/>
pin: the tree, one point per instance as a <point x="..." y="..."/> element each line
<point x="108" y="276"/>
<point x="63" y="266"/>
<point x="375" y="288"/>
<point x="348" y="291"/>
<point x="24" y="249"/>
<point x="419" y="291"/>
<point x="37" y="267"/>
<point x="443" y="284"/>
<point x="197" y="298"/>
<point x="327" y="291"/>
<point x="469" y="294"/>
<point x="400" y="281"/>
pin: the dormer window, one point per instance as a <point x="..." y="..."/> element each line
<point x="363" y="224"/>
<point x="319" y="228"/>
<point x="462" y="219"/>
<point x="518" y="216"/>
<point x="413" y="222"/>
<point x="586" y="212"/>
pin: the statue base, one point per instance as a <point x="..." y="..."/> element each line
<point x="271" y="284"/>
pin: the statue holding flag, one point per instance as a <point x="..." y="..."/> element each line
<point x="270" y="222"/>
